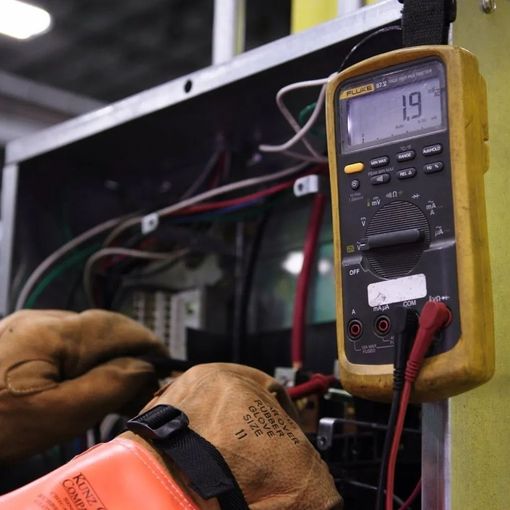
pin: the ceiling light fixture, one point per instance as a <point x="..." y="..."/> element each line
<point x="21" y="20"/>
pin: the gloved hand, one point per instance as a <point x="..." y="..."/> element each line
<point x="61" y="372"/>
<point x="241" y="412"/>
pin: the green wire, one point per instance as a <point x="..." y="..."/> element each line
<point x="305" y="114"/>
<point x="73" y="260"/>
<point x="78" y="257"/>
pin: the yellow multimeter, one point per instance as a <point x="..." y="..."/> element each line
<point x="408" y="148"/>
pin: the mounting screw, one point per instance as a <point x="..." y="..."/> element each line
<point x="488" y="6"/>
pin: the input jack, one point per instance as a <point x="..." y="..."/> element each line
<point x="382" y="325"/>
<point x="354" y="329"/>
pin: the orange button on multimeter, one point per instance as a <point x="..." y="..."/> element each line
<point x="354" y="168"/>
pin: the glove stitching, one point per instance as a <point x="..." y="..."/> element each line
<point x="162" y="477"/>
<point x="11" y="386"/>
<point x="14" y="389"/>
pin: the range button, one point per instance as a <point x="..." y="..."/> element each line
<point x="406" y="156"/>
<point x="380" y="161"/>
<point x="432" y="150"/>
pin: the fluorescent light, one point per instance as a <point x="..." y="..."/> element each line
<point x="293" y="262"/>
<point x="22" y="20"/>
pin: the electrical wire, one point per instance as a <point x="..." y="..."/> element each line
<point x="305" y="157"/>
<point x="392" y="461"/>
<point x="301" y="131"/>
<point x="303" y="283"/>
<point x="308" y="124"/>
<point x="58" y="270"/>
<point x="410" y="500"/>
<point x="405" y="323"/>
<point x="367" y="38"/>
<point x="317" y="385"/>
<point x="288" y="115"/>
<point x="433" y="317"/>
<point x="53" y="258"/>
<point x="248" y="274"/>
<point x="228" y="188"/>
<point x="124" y="252"/>
<point x="206" y="173"/>
<point x="363" y="485"/>
<point x="233" y="202"/>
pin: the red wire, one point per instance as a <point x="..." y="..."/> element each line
<point x="433" y="317"/>
<point x="392" y="462"/>
<point x="318" y="384"/>
<point x="209" y="206"/>
<point x="303" y="283"/>
<point x="409" y="501"/>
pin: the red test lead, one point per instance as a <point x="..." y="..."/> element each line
<point x="434" y="316"/>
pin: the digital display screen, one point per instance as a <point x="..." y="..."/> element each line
<point x="393" y="106"/>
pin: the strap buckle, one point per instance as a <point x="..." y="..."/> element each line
<point x="159" y="423"/>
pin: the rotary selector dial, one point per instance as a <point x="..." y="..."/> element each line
<point x="396" y="237"/>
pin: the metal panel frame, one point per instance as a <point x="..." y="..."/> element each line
<point x="435" y="456"/>
<point x="205" y="80"/>
<point x="228" y="29"/>
<point x="8" y="211"/>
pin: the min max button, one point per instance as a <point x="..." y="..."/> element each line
<point x="380" y="161"/>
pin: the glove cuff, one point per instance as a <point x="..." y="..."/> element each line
<point x="114" y="475"/>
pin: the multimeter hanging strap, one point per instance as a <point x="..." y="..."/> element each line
<point x="427" y="21"/>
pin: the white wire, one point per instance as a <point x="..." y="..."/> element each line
<point x="305" y="157"/>
<point x="288" y="115"/>
<point x="300" y="131"/>
<point x="246" y="183"/>
<point x="106" y="252"/>
<point x="56" y="255"/>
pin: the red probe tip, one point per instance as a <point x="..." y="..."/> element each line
<point x="435" y="315"/>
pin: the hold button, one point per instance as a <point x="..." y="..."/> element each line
<point x="431" y="150"/>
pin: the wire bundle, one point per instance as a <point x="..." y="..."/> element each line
<point x="52" y="266"/>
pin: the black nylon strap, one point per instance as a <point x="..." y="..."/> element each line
<point x="427" y="21"/>
<point x="210" y="476"/>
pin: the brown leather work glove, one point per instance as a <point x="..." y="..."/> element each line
<point x="61" y="372"/>
<point x="246" y="415"/>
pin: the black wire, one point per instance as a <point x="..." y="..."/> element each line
<point x="366" y="39"/>
<point x="363" y="485"/>
<point x="240" y="318"/>
<point x="206" y="173"/>
<point x="405" y="323"/>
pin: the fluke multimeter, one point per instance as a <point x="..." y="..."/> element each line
<point x="408" y="148"/>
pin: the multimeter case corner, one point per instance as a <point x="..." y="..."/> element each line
<point x="463" y="357"/>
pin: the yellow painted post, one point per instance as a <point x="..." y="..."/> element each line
<point x="308" y="13"/>
<point x="480" y="419"/>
